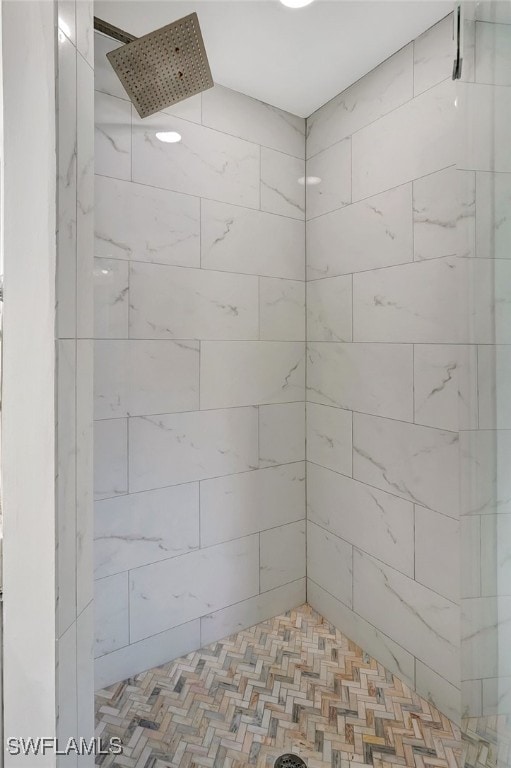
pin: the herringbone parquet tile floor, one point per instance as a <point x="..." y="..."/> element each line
<point x="290" y="684"/>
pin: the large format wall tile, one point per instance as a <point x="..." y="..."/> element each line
<point x="142" y="223"/>
<point x="372" y="378"/>
<point x="485" y="458"/>
<point x="485" y="637"/>
<point x="168" y="450"/>
<point x="237" y="373"/>
<point x="329" y="437"/>
<point x="426" y="623"/>
<point x="329" y="309"/>
<point x="486" y="114"/>
<point x="281" y="309"/>
<point x="240" y="115"/>
<point x="493" y="215"/>
<point x="205" y="163"/>
<point x="379" y="92"/>
<point x="412" y="141"/>
<point x="137" y="378"/>
<point x="227" y="621"/>
<point x="444" y="214"/>
<point x="249" y="502"/>
<point x="395" y="658"/>
<point x="493" y="53"/>
<point x="112" y="145"/>
<point x="442" y="694"/>
<point x="433" y="55"/>
<point x="281" y="190"/>
<point x="179" y="303"/>
<point x="235" y="239"/>
<point x="281" y="433"/>
<point x="111" y="613"/>
<point x="437" y="563"/>
<point x="494" y="375"/>
<point x="110" y="458"/>
<point x="202" y="582"/>
<point x="417" y="463"/>
<point x="328" y="181"/>
<point x="376" y="522"/>
<point x="445" y="386"/>
<point x="111" y="282"/>
<point x="330" y="563"/>
<point x="282" y="555"/>
<point x="141" y="528"/>
<point x="409" y="303"/>
<point x="495" y="554"/>
<point x="334" y="244"/>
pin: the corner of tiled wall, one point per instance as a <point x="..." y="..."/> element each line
<point x="199" y="372"/>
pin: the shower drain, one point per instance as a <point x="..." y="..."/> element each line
<point x="289" y="761"/>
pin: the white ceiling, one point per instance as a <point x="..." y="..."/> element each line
<point x="293" y="59"/>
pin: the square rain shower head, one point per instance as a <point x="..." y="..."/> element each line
<point x="163" y="67"/>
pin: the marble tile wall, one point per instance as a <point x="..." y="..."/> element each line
<point x="390" y="362"/>
<point x="484" y="152"/>
<point x="199" y="372"/>
<point x="74" y="347"/>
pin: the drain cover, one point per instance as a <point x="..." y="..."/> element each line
<point x="289" y="761"/>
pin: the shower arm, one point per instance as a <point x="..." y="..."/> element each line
<point x="114" y="32"/>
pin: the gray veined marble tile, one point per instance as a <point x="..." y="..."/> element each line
<point x="372" y="378"/>
<point x="470" y="555"/>
<point x="485" y="637"/>
<point x="84" y="690"/>
<point x="179" y="448"/>
<point x="412" y="141"/>
<point x="329" y="437"/>
<point x="142" y="528"/>
<point x="281" y="190"/>
<point x="147" y="653"/>
<point x="203" y="581"/>
<point x="111" y="286"/>
<point x="85" y="30"/>
<point x="435" y="689"/>
<point x="437" y="552"/>
<point x="445" y="386"/>
<point x="282" y="555"/>
<point x="494" y="377"/>
<point x="67" y="187"/>
<point x="235" y="373"/>
<point x="281" y="433"/>
<point x="471" y="698"/>
<point x="180" y="303"/>
<point x="493" y="53"/>
<point x="234" y="618"/>
<point x="111" y="613"/>
<point x="496" y="695"/>
<point x="329" y="561"/>
<point x="240" y="115"/>
<point x="250" y="502"/>
<point x="105" y="79"/>
<point x="493" y="215"/>
<point x="444" y="214"/>
<point x="204" y="163"/>
<point x="134" y="377"/>
<point x="329" y="175"/>
<point x="84" y="197"/>
<point x="112" y="143"/>
<point x="433" y="55"/>
<point x="236" y="239"/>
<point x="110" y="458"/>
<point x="377" y="522"/>
<point x="66" y="683"/>
<point x="142" y="223"/>
<point x="495" y="554"/>
<point x="281" y="309"/>
<point x="485" y="482"/>
<point x="334" y="244"/>
<point x="410" y="303"/>
<point x="84" y="472"/>
<point x="497" y="12"/>
<point x="380" y="91"/>
<point x="67" y="19"/>
<point x="487" y="110"/>
<point x="427" y="624"/>
<point x="417" y="463"/>
<point x="329" y="309"/>
<point x="395" y="657"/>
